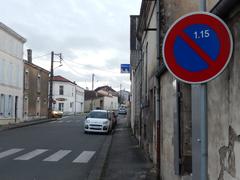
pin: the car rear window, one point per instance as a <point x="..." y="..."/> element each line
<point x="95" y="114"/>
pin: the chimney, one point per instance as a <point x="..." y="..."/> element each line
<point x="29" y="55"/>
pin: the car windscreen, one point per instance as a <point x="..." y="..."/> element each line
<point x="95" y="114"/>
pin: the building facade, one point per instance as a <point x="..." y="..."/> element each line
<point x="67" y="96"/>
<point x="11" y="75"/>
<point x="161" y="107"/>
<point x="35" y="99"/>
<point x="103" y="97"/>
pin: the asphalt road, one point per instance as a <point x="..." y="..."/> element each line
<point x="57" y="150"/>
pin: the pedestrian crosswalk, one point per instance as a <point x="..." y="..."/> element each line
<point x="57" y="156"/>
<point x="31" y="155"/>
<point x="9" y="152"/>
<point x="84" y="157"/>
<point x="17" y="154"/>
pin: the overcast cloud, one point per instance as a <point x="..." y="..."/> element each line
<point x="92" y="35"/>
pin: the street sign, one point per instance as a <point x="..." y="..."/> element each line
<point x="197" y="47"/>
<point x="125" y="68"/>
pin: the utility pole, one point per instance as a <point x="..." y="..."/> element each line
<point x="75" y="97"/>
<point x="50" y="107"/>
<point x="93" y="81"/>
<point x="51" y="87"/>
<point x="120" y="99"/>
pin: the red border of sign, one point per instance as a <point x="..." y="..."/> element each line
<point x="225" y="40"/>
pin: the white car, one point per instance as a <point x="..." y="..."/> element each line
<point x="98" y="121"/>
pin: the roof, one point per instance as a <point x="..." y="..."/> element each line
<point x="35" y="66"/>
<point x="62" y="79"/>
<point x="91" y="95"/>
<point x="12" y="32"/>
<point x="105" y="88"/>
<point x="106" y="91"/>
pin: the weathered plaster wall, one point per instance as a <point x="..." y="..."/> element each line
<point x="150" y="63"/>
<point x="173" y="9"/>
<point x="167" y="116"/>
<point x="211" y="3"/>
<point x="224" y="116"/>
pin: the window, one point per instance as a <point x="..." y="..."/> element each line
<point x="10" y="106"/>
<point x="61" y="106"/>
<point x="39" y="83"/>
<point x="38" y="106"/>
<point x="2" y="104"/>
<point x="61" y="90"/>
<point x="6" y="106"/>
<point x="26" y="79"/>
<point x="25" y="106"/>
<point x="98" y="114"/>
<point x="10" y="74"/>
<point x="1" y="71"/>
<point x="71" y="104"/>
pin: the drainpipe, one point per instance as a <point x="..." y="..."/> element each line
<point x="223" y="7"/>
<point x="158" y="94"/>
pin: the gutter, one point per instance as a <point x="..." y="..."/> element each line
<point x="223" y="7"/>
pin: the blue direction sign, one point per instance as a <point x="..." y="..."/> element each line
<point x="125" y="68"/>
<point x="197" y="47"/>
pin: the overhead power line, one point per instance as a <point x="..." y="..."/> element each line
<point x="37" y="57"/>
<point x="99" y="69"/>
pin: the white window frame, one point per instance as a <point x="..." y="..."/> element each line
<point x="38" y="83"/>
<point x="61" y="92"/>
<point x="26" y="79"/>
<point x="61" y="107"/>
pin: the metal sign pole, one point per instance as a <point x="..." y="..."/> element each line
<point x="199" y="127"/>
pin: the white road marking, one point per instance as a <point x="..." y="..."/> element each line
<point x="84" y="157"/>
<point x="31" y="155"/>
<point x="9" y="152"/>
<point x="58" y="155"/>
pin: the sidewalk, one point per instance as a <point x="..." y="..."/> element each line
<point x="125" y="159"/>
<point x="24" y="123"/>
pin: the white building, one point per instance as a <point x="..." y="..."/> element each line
<point x="11" y="75"/>
<point x="103" y="97"/>
<point x="68" y="96"/>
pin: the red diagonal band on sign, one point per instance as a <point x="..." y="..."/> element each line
<point x="197" y="49"/>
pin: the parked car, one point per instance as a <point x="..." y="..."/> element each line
<point x="122" y="110"/>
<point x="57" y="114"/>
<point x="98" y="121"/>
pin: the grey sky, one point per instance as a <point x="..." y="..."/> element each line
<point x="92" y="35"/>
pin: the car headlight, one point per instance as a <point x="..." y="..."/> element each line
<point x="87" y="121"/>
<point x="105" y="122"/>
